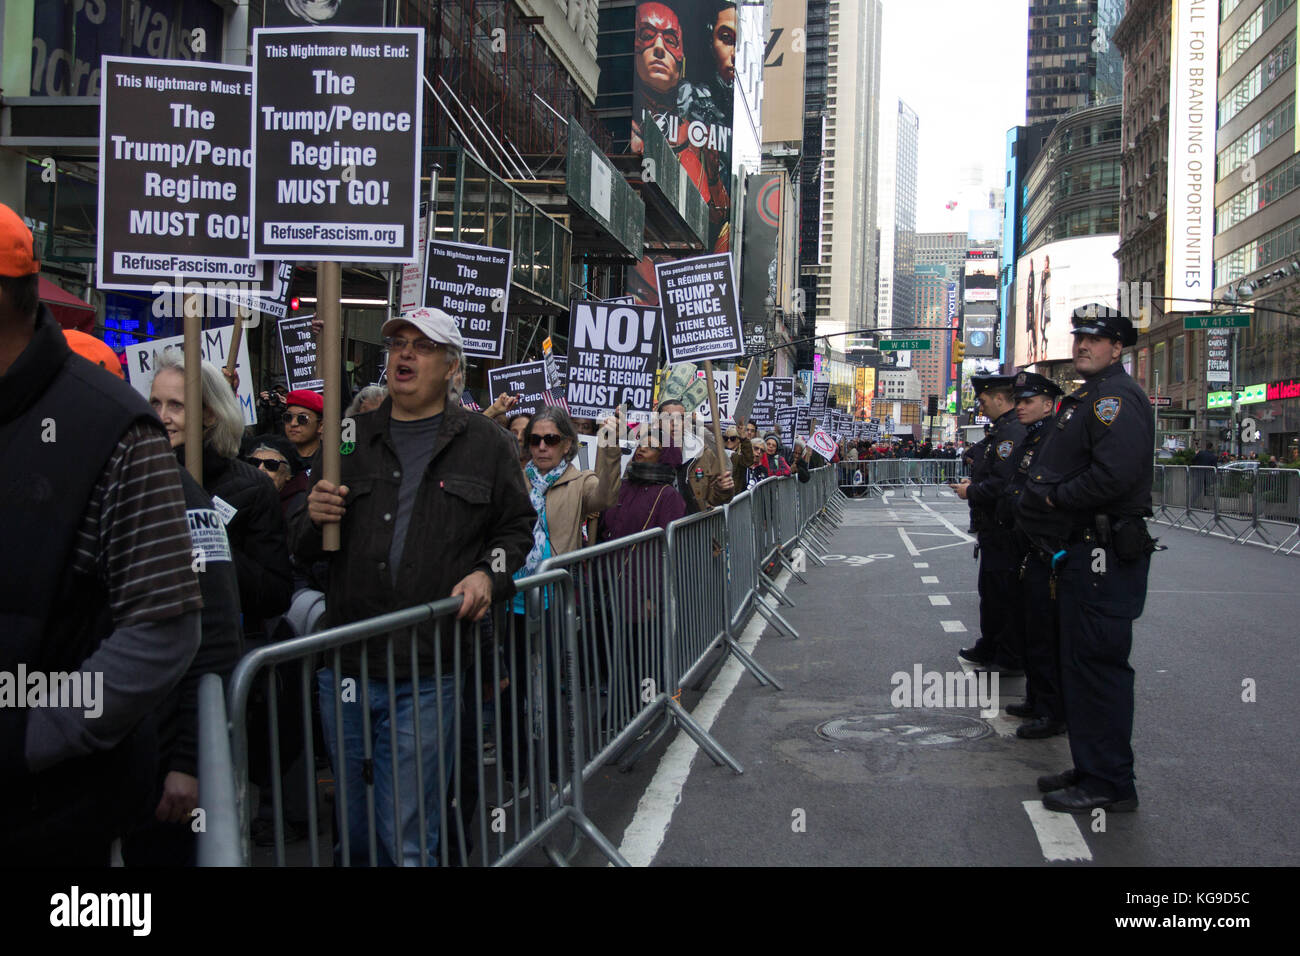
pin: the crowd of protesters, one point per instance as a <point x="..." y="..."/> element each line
<point x="174" y="578"/>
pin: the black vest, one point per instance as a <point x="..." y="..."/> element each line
<point x="60" y="419"/>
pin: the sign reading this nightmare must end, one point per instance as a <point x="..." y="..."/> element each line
<point x="336" y="142"/>
<point x="470" y="283"/>
<point x="701" y="317"/>
<point x="174" y="175"/>
<point x="611" y="357"/>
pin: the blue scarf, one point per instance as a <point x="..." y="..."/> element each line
<point x="539" y="485"/>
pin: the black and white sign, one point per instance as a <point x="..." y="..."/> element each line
<point x="471" y="284"/>
<point x="802" y="423"/>
<point x="818" y="402"/>
<point x="701" y="314"/>
<point x="774" y="393"/>
<point x="612" y="358"/>
<point x="787" y="419"/>
<point x="142" y="363"/>
<point x="336" y="143"/>
<point x="525" y="382"/>
<point x="822" y="444"/>
<point x="298" y="347"/>
<point x="755" y="337"/>
<point x="174" y="175"/>
<point x="1218" y="366"/>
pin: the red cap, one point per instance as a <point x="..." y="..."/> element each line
<point x="304" y="398"/>
<point x="92" y="349"/>
<point x="17" y="247"/>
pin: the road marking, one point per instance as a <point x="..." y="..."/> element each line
<point x="929" y="579"/>
<point x="1058" y="834"/>
<point x="919" y="564"/>
<point x="911" y="548"/>
<point x="1005" y="726"/>
<point x="654" y="811"/>
<point x="946" y="523"/>
<point x="939" y="600"/>
<point x="953" y="627"/>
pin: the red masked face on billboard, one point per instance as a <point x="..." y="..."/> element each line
<point x="659" y="53"/>
<point x="723" y="44"/>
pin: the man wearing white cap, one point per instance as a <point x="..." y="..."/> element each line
<point x="431" y="504"/>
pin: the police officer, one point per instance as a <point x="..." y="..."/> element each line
<point x="1035" y="402"/>
<point x="1000" y="632"/>
<point x="1089" y="487"/>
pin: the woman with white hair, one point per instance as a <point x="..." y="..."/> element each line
<point x="246" y="501"/>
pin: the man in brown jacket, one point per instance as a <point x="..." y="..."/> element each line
<point x="705" y="481"/>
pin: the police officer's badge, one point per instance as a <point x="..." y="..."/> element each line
<point x="1106" y="409"/>
<point x="1004" y="448"/>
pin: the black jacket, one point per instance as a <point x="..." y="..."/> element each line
<point x="990" y="474"/>
<point x="1097" y="458"/>
<point x="257" y="532"/>
<point x="471" y="513"/>
<point x="1024" y="458"/>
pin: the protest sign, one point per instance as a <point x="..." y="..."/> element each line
<point x="471" y="284"/>
<point x="612" y="357"/>
<point x="336" y="143"/>
<point x="413" y="272"/>
<point x="774" y="392"/>
<point x="298" y="347"/>
<point x="174" y="185"/>
<point x="818" y="402"/>
<point x="215" y="348"/>
<point x="787" y="419"/>
<point x="525" y="382"/>
<point x="802" y="424"/>
<point x="823" y="444"/>
<point x="701" y="317"/>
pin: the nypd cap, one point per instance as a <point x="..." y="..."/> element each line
<point x="1029" y="384"/>
<point x="1097" y="319"/>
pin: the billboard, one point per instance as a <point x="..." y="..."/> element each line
<point x="759" y="267"/>
<point x="684" y="56"/>
<point x="1051" y="282"/>
<point x="783" y="72"/>
<point x="981" y="280"/>
<point x="1193" y="98"/>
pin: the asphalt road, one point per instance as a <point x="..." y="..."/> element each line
<point x="836" y="775"/>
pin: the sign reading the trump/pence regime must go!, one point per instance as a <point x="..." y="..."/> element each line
<point x="336" y="143"/>
<point x="612" y="357"/>
<point x="298" y="348"/>
<point x="701" y="317"/>
<point x="525" y="382"/>
<point x="174" y="175"/>
<point x="470" y="284"/>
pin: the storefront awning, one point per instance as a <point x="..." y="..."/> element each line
<point x="71" y="312"/>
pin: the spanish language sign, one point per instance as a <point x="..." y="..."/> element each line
<point x="174" y="176"/>
<point x="470" y="283"/>
<point x="298" y="347"/>
<point x="336" y="143"/>
<point x="612" y="357"/>
<point x="701" y="317"/>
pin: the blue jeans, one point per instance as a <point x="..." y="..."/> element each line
<point x="351" y="771"/>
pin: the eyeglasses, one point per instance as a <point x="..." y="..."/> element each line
<point x="731" y="438"/>
<point x="302" y="418"/>
<point x="423" y="346"/>
<point x="549" y="440"/>
<point x="270" y="464"/>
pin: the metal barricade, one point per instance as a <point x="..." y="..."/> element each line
<point x="624" y="658"/>
<point x="450" y="742"/>
<point x="1201" y="492"/>
<point x="218" y="839"/>
<point x="1275" y="492"/>
<point x="1234" y="498"/>
<point x="748" y="534"/>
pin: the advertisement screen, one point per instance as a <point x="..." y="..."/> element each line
<point x="981" y="280"/>
<point x="1051" y="282"/>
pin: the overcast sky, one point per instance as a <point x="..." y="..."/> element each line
<point x="960" y="65"/>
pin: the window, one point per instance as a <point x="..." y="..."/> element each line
<point x="1178" y="357"/>
<point x="1159" y="373"/>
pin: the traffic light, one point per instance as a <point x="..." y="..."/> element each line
<point x="958" y="350"/>
<point x="1224" y="434"/>
<point x="294" y="304"/>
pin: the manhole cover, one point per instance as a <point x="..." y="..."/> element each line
<point x="904" y="727"/>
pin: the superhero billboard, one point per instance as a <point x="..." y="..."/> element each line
<point x="684" y="54"/>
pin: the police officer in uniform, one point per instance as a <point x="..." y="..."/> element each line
<point x="1000" y="632"/>
<point x="1035" y="402"/>
<point x="1088" y="490"/>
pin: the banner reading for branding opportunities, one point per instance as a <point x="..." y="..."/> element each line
<point x="470" y="284"/>
<point x="336" y="143"/>
<point x="1193" y="112"/>
<point x="612" y="357"/>
<point x="174" y="175"/>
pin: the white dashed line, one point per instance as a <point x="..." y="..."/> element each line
<point x="920" y="564"/>
<point x="1058" y="834"/>
<point x="953" y="627"/>
<point x="929" y="579"/>
<point x="939" y="600"/>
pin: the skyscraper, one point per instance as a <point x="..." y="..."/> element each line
<point x="896" y="296"/>
<point x="841" y="126"/>
<point x="1072" y="61"/>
